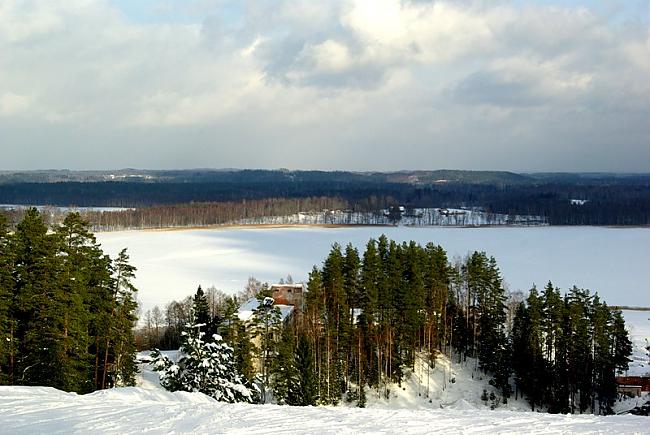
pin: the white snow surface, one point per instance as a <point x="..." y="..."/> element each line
<point x="247" y="309"/>
<point x="29" y="410"/>
<point x="440" y="399"/>
<point x="638" y="325"/>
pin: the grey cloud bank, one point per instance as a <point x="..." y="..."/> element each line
<point x="346" y="84"/>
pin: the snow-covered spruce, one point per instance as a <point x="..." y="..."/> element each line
<point x="205" y="366"/>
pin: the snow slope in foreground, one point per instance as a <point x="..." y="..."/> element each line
<point x="27" y="410"/>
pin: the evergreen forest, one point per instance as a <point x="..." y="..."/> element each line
<point x="371" y="316"/>
<point x="67" y="310"/>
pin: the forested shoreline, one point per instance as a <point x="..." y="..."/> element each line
<point x="204" y="197"/>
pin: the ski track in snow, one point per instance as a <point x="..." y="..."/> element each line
<point x="28" y="410"/>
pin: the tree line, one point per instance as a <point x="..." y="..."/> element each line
<point x="609" y="199"/>
<point x="566" y="351"/>
<point x="67" y="310"/>
<point x="370" y="318"/>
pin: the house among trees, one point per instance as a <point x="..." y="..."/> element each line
<point x="633" y="385"/>
<point x="263" y="317"/>
<point x="290" y="295"/>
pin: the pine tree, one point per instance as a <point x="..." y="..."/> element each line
<point x="316" y="317"/>
<point x="622" y="346"/>
<point x="7" y="323"/>
<point x="266" y="323"/>
<point x="75" y="240"/>
<point x="38" y="307"/>
<point x="60" y="320"/>
<point x="336" y="327"/>
<point x="370" y="272"/>
<point x="604" y="377"/>
<point x="554" y="355"/>
<point x="579" y="353"/>
<point x="492" y="346"/>
<point x="205" y="367"/>
<point x="120" y="344"/>
<point x="535" y="366"/>
<point x="243" y="351"/>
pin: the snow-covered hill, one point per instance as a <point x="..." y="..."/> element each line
<point x="29" y="410"/>
<point x="453" y="406"/>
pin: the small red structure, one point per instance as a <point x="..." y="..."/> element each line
<point x="641" y="381"/>
<point x="289" y="294"/>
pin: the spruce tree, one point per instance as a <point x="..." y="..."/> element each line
<point x="307" y="381"/>
<point x="205" y="366"/>
<point x="285" y="382"/>
<point x="202" y="311"/>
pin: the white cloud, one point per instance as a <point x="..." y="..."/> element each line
<point x="13" y="104"/>
<point x="322" y="81"/>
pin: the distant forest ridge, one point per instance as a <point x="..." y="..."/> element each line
<point x="558" y="198"/>
<point x="277" y="175"/>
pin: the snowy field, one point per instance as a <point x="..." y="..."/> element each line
<point x="441" y="399"/>
<point x="149" y="409"/>
<point x="171" y="264"/>
<point x="29" y="410"/>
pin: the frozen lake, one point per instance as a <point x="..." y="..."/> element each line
<point x="612" y="261"/>
<point x="171" y="264"/>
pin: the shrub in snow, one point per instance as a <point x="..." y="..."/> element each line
<point x="205" y="367"/>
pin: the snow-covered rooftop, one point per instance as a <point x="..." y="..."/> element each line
<point x="246" y="309"/>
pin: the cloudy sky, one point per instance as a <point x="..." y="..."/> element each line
<point x="351" y="84"/>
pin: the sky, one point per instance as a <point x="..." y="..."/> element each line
<point x="340" y="84"/>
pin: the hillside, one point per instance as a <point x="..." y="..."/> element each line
<point x="454" y="410"/>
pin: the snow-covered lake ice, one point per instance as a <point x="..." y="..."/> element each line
<point x="171" y="264"/>
<point x="612" y="261"/>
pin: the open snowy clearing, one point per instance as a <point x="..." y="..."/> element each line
<point x="28" y="410"/>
